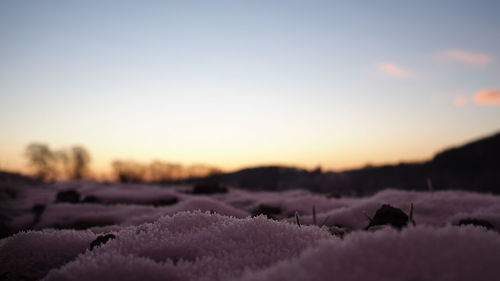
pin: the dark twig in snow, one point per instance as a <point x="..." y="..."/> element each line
<point x="297" y="221"/>
<point x="314" y="215"/>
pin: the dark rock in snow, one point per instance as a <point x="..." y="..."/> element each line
<point x="165" y="202"/>
<point x="209" y="188"/>
<point x="91" y="199"/>
<point x="4" y="229"/>
<point x="101" y="239"/>
<point x="38" y="210"/>
<point x="477" y="222"/>
<point x="333" y="195"/>
<point x="268" y="211"/>
<point x="338" y="230"/>
<point x="68" y="196"/>
<point x="83" y="224"/>
<point x="388" y="215"/>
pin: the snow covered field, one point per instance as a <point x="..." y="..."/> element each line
<point x="144" y="232"/>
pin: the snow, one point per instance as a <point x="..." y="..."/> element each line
<point x="422" y="253"/>
<point x="195" y="246"/>
<point x="431" y="208"/>
<point x="30" y="255"/>
<point x="66" y="215"/>
<point x="214" y="237"/>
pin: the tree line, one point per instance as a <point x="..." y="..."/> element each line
<point x="66" y="163"/>
<point x="158" y="171"/>
<point x="74" y="163"/>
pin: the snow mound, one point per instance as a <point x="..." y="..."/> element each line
<point x="422" y="253"/>
<point x="191" y="246"/>
<point x="30" y="255"/>
<point x="82" y="216"/>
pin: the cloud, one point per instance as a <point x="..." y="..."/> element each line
<point x="487" y="97"/>
<point x="471" y="58"/>
<point x="394" y="70"/>
<point x="460" y="101"/>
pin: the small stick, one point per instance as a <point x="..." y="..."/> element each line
<point x="411" y="214"/>
<point x="297" y="221"/>
<point x="314" y="215"/>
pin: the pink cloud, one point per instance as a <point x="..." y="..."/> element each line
<point x="477" y="59"/>
<point x="394" y="70"/>
<point x="487" y="97"/>
<point x="460" y="101"/>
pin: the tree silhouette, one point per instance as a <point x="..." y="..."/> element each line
<point x="158" y="171"/>
<point x="70" y="163"/>
<point x="42" y="160"/>
<point x="80" y="160"/>
<point x="129" y="171"/>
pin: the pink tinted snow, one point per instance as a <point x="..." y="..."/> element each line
<point x="66" y="215"/>
<point x="168" y="243"/>
<point x="30" y="255"/>
<point x="202" y="246"/>
<point x="421" y="253"/>
<point x="430" y="208"/>
<point x="192" y="246"/>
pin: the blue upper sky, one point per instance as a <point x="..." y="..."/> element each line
<point x="236" y="83"/>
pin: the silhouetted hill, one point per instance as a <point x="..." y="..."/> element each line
<point x="478" y="155"/>
<point x="15" y="178"/>
<point x="281" y="178"/>
<point x="474" y="166"/>
<point x="402" y="176"/>
<point x="9" y="188"/>
<point x="265" y="178"/>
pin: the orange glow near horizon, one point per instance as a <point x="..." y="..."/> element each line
<point x="347" y="155"/>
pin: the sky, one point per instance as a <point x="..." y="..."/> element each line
<point x="336" y="84"/>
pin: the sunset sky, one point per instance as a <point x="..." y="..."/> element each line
<point x="242" y="83"/>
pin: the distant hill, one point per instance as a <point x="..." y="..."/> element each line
<point x="474" y="166"/>
<point x="281" y="178"/>
<point x="15" y="178"/>
<point x="9" y="188"/>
